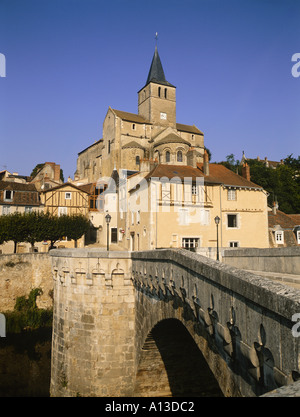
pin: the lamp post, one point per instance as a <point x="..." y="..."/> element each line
<point x="107" y="219"/>
<point x="217" y="221"/>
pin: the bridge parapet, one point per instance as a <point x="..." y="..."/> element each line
<point x="247" y="319"/>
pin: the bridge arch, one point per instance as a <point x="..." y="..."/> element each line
<point x="171" y="364"/>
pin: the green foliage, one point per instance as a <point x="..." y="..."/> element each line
<point x="36" y="169"/>
<point x="26" y="314"/>
<point x="36" y="227"/>
<point x="282" y="183"/>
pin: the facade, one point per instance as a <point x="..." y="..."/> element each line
<point x="176" y="206"/>
<point x="18" y="196"/>
<point x="65" y="199"/>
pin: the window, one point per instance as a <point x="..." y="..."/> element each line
<point x="179" y="156"/>
<point x="28" y="209"/>
<point x="8" y="195"/>
<point x="159" y="91"/>
<point x="68" y="196"/>
<point x="5" y="210"/>
<point x="190" y="242"/>
<point x="231" y="194"/>
<point x="167" y="156"/>
<point x="232" y="221"/>
<point x="166" y="92"/>
<point x="137" y="160"/>
<point x="183" y="216"/>
<point x="62" y="211"/>
<point x="163" y="116"/>
<point x="114" y="235"/>
<point x="133" y="126"/>
<point x="194" y="189"/>
<point x="279" y="237"/>
<point x="96" y="199"/>
<point x="234" y="244"/>
<point x="298" y="237"/>
<point x="108" y="148"/>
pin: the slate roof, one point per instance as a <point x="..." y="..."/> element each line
<point x="156" y="73"/>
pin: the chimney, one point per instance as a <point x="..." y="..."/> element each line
<point x="275" y="207"/>
<point x="57" y="173"/>
<point x="246" y="171"/>
<point x="205" y="163"/>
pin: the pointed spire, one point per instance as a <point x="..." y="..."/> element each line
<point x="156" y="72"/>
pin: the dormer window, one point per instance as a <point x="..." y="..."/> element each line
<point x="8" y="195"/>
<point x="279" y="237"/>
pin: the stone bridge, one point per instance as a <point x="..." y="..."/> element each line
<point x="157" y="322"/>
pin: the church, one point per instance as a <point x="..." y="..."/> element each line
<point x="152" y="133"/>
<point x="153" y="177"/>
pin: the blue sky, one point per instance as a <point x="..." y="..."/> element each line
<point x="68" y="60"/>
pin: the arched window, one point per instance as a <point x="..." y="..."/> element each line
<point x="179" y="156"/>
<point x="165" y="93"/>
<point x="159" y="89"/>
<point x="137" y="160"/>
<point x="167" y="156"/>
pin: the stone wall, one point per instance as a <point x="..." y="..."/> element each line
<point x="20" y="273"/>
<point x="281" y="260"/>
<point x="93" y="323"/>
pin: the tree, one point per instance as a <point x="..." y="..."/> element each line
<point x="73" y="226"/>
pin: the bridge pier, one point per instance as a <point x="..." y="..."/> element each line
<point x="93" y="324"/>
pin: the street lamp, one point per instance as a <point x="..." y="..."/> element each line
<point x="107" y="219"/>
<point x="217" y="221"/>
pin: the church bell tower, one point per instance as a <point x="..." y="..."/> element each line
<point x="157" y="99"/>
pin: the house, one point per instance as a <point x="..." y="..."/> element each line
<point x="47" y="176"/>
<point x="176" y="206"/>
<point x="284" y="229"/>
<point x="18" y="197"/>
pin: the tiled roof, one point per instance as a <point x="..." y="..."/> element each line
<point x="66" y="184"/>
<point x="188" y="128"/>
<point x="219" y="174"/>
<point x="130" y="117"/>
<point x="280" y="218"/>
<point x="174" y="171"/>
<point x="295" y="218"/>
<point x="133" y="144"/>
<point x="171" y="138"/>
<point x="23" y="194"/>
